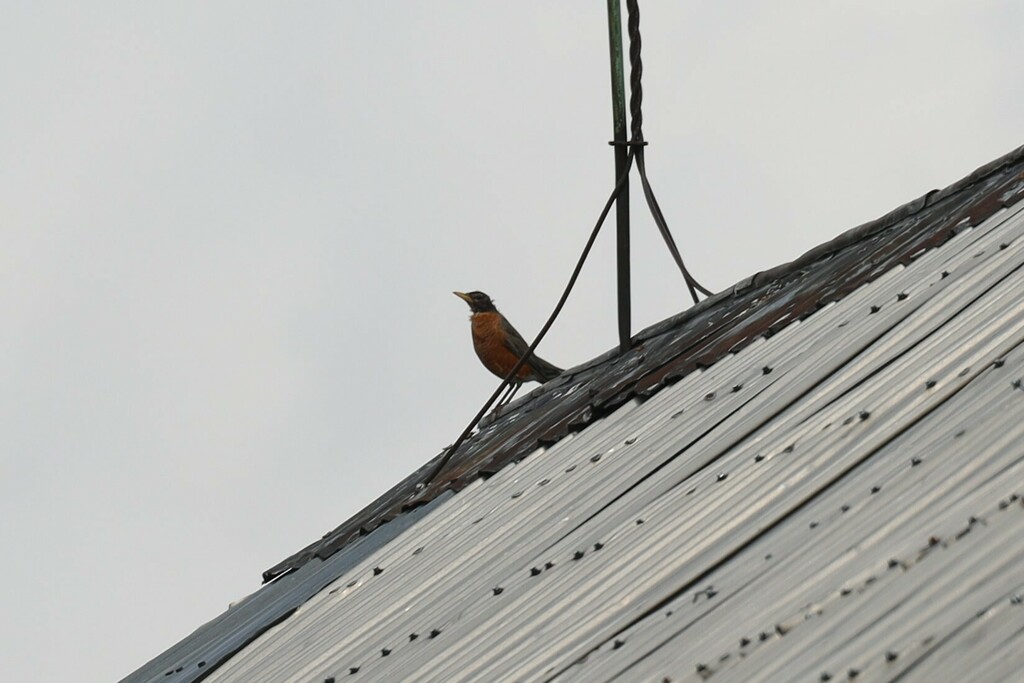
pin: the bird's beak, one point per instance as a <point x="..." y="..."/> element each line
<point x="462" y="295"/>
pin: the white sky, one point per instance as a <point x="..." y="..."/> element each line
<point x="230" y="233"/>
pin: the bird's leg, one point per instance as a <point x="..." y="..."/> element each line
<point x="507" y="396"/>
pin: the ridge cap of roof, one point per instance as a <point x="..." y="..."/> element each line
<point x="479" y="456"/>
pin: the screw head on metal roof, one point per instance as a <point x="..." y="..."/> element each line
<point x="329" y="679"/>
<point x="630" y="441"/>
<point x="618" y="643"/>
<point x="377" y="571"/>
<point x="844" y="508"/>
<point x="549" y="565"/>
<point x="825" y="676"/>
<point x="598" y="545"/>
<point x="766" y="370"/>
<point x="915" y="461"/>
<point x="813" y="525"/>
<point x="413" y="636"/>
<point x="434" y="633"/>
<point x="929" y="384"/>
<point x="722" y="476"/>
<point x="353" y="670"/>
<point x="534" y="571"/>
<point x="876" y="489"/>
<point x="709" y="396"/>
<point x="901" y="296"/>
<point x="578" y="555"/>
<point x="876" y="309"/>
<point x="744" y="642"/>
<point x="863" y="415"/>
<point x="595" y="458"/>
<point x="1016" y="599"/>
<point x="891" y="655"/>
<point x="498" y="590"/>
<point x="852" y="673"/>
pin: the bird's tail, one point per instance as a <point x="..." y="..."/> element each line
<point x="545" y="370"/>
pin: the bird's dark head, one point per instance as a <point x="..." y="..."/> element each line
<point x="478" y="301"/>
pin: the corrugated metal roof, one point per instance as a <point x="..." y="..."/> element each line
<point x="699" y="337"/>
<point x="817" y="476"/>
<point x="841" y="500"/>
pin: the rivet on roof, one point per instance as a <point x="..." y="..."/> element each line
<point x="377" y="571"/>
<point x="578" y="555"/>
<point x="758" y="458"/>
<point x="710" y="396"/>
<point x="852" y="673"/>
<point x="915" y="461"/>
<point x="549" y="565"/>
<point x="825" y="676"/>
<point x="813" y="525"/>
<point x="744" y="642"/>
<point x="876" y="309"/>
<point x="617" y="644"/>
<point x="766" y="370"/>
<point x="863" y="415"/>
<point x="535" y="571"/>
<point x="891" y="655"/>
<point x="630" y="441"/>
<point x="929" y="384"/>
<point x="595" y="458"/>
<point x="498" y="590"/>
<point x="434" y="633"/>
<point x="676" y="414"/>
<point x="353" y="670"/>
<point x="598" y="545"/>
<point x="329" y="679"/>
<point x="901" y="296"/>
<point x="844" y="508"/>
<point x="722" y="476"/>
<point x="876" y="489"/>
<point x="384" y="652"/>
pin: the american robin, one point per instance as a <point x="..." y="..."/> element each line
<point x="499" y="346"/>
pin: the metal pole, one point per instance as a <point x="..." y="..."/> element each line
<point x="622" y="203"/>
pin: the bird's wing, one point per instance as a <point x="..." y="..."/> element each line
<point x="514" y="341"/>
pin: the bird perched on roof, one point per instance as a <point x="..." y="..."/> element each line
<point x="499" y="346"/>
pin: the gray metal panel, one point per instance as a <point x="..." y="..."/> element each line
<point x="802" y="507"/>
<point x="209" y="645"/>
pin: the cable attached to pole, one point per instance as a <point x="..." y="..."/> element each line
<point x="446" y="458"/>
<point x="620" y="196"/>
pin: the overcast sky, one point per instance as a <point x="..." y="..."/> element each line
<point x="231" y="231"/>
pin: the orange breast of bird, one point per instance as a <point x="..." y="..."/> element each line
<point x="489" y="344"/>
